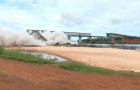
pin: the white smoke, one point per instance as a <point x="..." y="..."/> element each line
<point x="8" y="38"/>
<point x="56" y="37"/>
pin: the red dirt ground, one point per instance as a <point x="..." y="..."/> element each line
<point x="29" y="76"/>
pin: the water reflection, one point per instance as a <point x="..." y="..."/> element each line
<point x="124" y="46"/>
<point x="47" y="56"/>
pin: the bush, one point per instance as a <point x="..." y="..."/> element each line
<point x="68" y="44"/>
<point x="57" y="44"/>
<point x="1" y="50"/>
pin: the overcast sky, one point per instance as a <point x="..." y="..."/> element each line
<point x="94" y="16"/>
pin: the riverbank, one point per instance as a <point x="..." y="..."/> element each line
<point x="116" y="59"/>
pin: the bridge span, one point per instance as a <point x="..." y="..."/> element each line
<point x="37" y="34"/>
<point x="115" y="35"/>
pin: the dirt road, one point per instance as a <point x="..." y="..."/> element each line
<point x="28" y="76"/>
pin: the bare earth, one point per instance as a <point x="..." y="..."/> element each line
<point x="29" y="76"/>
<point x="117" y="59"/>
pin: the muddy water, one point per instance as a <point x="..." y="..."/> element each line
<point x="47" y="56"/>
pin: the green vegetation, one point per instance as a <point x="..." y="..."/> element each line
<point x="22" y="79"/>
<point x="17" y="55"/>
<point x="1" y="50"/>
<point x="58" y="44"/>
<point x="3" y="75"/>
<point x="85" y="68"/>
<point x="117" y="40"/>
<point x="97" y="41"/>
<point x="75" y="66"/>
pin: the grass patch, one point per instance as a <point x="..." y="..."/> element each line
<point x="130" y="73"/>
<point x="22" y="79"/>
<point x="17" y="55"/>
<point x="85" y="68"/>
<point x="1" y="50"/>
<point x="75" y="66"/>
<point x="3" y="75"/>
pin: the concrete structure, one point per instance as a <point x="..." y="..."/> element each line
<point x="77" y="34"/>
<point x="37" y="34"/>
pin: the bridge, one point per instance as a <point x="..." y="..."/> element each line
<point x="115" y="35"/>
<point x="37" y="34"/>
<point x="77" y="34"/>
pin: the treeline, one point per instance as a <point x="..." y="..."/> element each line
<point x="96" y="41"/>
<point x="108" y="41"/>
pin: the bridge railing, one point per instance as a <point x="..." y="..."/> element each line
<point x="77" y="34"/>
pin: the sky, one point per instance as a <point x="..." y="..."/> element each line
<point x="88" y="16"/>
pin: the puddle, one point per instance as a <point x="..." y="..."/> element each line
<point x="47" y="56"/>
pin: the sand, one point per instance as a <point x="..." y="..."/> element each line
<point x="116" y="59"/>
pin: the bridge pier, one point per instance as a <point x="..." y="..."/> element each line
<point x="80" y="39"/>
<point x="90" y="38"/>
<point x="69" y="37"/>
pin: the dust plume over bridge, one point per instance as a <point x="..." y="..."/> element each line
<point x="38" y="34"/>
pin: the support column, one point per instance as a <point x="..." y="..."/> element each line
<point x="90" y="38"/>
<point x="69" y="37"/>
<point x="112" y="42"/>
<point x="80" y="39"/>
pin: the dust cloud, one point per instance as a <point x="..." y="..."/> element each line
<point x="8" y="38"/>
